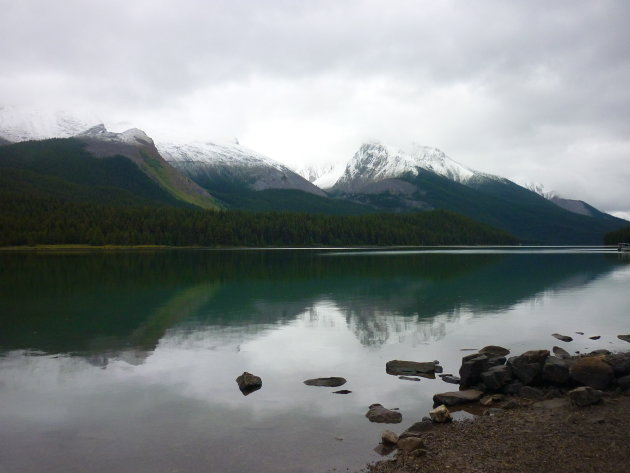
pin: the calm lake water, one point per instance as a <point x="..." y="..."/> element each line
<point x="126" y="362"/>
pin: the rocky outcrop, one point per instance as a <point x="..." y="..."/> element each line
<point x="625" y="338"/>
<point x="248" y="383"/>
<point x="331" y="382"/>
<point x="378" y="413"/>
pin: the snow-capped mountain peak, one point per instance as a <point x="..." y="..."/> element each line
<point x="23" y="124"/>
<point x="375" y="162"/>
<point x="133" y="136"/>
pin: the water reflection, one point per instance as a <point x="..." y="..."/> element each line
<point x="127" y="362"/>
<point x="99" y="304"/>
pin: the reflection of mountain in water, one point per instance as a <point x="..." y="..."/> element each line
<point x="122" y="304"/>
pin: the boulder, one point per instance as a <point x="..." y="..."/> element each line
<point x="585" y="396"/>
<point x="440" y="415"/>
<point x="377" y="413"/>
<point x="497" y="377"/>
<point x="624" y="382"/>
<point x="494" y="351"/>
<point x="562" y="338"/>
<point x="248" y="383"/>
<point x="389" y="438"/>
<point x="556" y="371"/>
<point x="417" y="429"/>
<point x="561" y="352"/>
<point x="410" y="444"/>
<point x="406" y="368"/>
<point x="600" y="351"/>
<point x="471" y="369"/>
<point x="592" y="371"/>
<point x="512" y="388"/>
<point x="454" y="398"/>
<point x="331" y="382"/>
<point x="620" y="363"/>
<point x="528" y="366"/>
<point x="625" y="338"/>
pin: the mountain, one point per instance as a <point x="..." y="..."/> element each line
<point x="571" y="205"/>
<point x="97" y="166"/>
<point x="245" y="179"/>
<point x="24" y="124"/>
<point x="425" y="178"/>
<point x="324" y="176"/>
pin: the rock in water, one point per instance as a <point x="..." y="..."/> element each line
<point x="440" y="415"/>
<point x="342" y="391"/>
<point x="562" y="338"/>
<point x="592" y="371"/>
<point x="248" y="383"/>
<point x="331" y="382"/>
<point x="406" y="368"/>
<point x="453" y="398"/>
<point x="494" y="351"/>
<point x="595" y="337"/>
<point x="389" y="438"/>
<point x="625" y="338"/>
<point x="561" y="352"/>
<point x="585" y="396"/>
<point x="377" y="413"/>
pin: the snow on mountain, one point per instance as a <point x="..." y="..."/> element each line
<point x="133" y="136"/>
<point x="323" y="176"/>
<point x="22" y="124"/>
<point x="375" y="162"/>
<point x="539" y="189"/>
<point x="234" y="163"/>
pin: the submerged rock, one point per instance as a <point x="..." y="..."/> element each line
<point x="409" y="378"/>
<point x="400" y="367"/>
<point x="378" y="413"/>
<point x="248" y="383"/>
<point x="342" y="391"/>
<point x="592" y="371"/>
<point x="585" y="396"/>
<point x="595" y="337"/>
<point x="440" y="415"/>
<point x="454" y="398"/>
<point x="562" y="338"/>
<point x="331" y="382"/>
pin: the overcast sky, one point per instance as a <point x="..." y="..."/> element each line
<point x="536" y="91"/>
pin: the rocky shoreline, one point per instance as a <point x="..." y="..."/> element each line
<point x="538" y="412"/>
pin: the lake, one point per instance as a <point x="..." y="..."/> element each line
<point x="126" y="361"/>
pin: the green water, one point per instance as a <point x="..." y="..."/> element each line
<point x="127" y="361"/>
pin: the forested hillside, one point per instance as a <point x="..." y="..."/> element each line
<point x="31" y="220"/>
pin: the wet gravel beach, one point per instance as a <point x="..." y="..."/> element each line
<point x="544" y="436"/>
